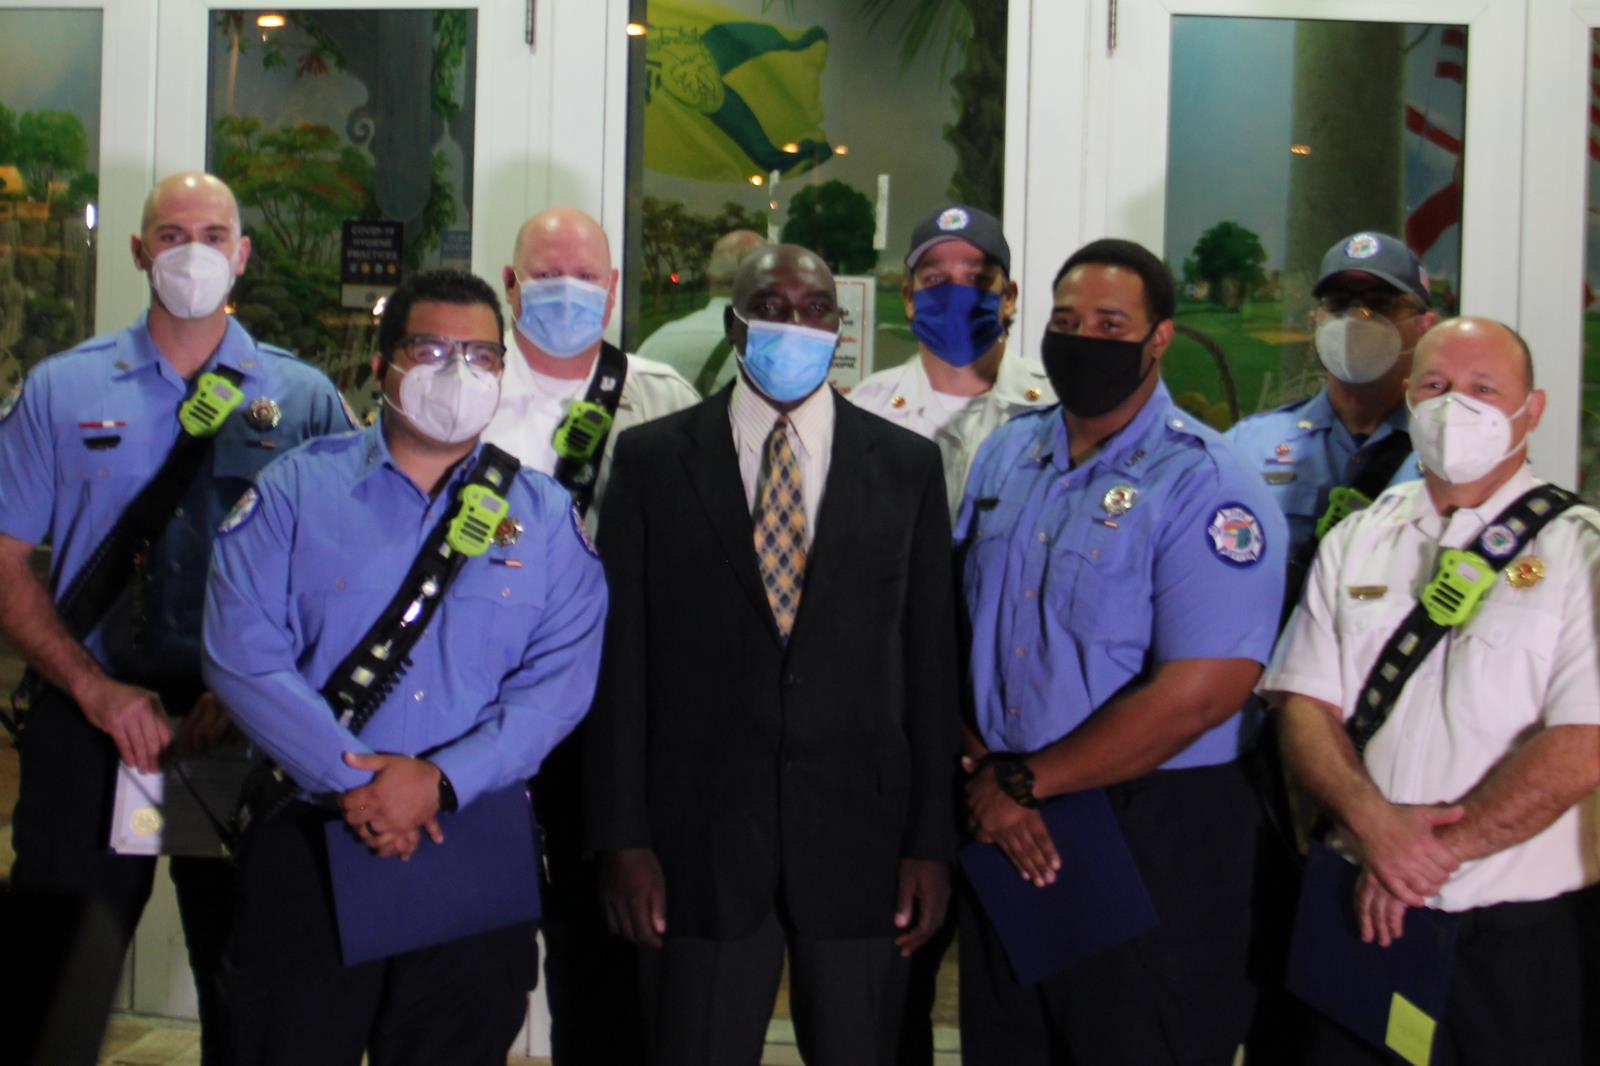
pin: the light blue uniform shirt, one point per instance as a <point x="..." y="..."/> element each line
<point x="505" y="669"/>
<point x="1071" y="601"/>
<point x="1302" y="450"/>
<point x="92" y="427"/>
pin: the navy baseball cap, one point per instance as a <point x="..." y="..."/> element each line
<point x="958" y="222"/>
<point x="1384" y="257"/>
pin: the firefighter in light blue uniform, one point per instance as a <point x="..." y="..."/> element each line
<point x="1121" y="603"/>
<point x="503" y="672"/>
<point x="1374" y="305"/>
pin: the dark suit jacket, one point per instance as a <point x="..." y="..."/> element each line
<point x="759" y="772"/>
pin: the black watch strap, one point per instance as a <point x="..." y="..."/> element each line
<point x="1011" y="773"/>
<point x="448" y="802"/>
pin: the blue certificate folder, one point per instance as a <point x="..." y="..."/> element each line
<point x="1098" y="899"/>
<point x="1353" y="983"/>
<point x="484" y="876"/>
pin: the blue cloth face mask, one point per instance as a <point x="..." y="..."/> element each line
<point x="563" y="316"/>
<point x="957" y="323"/>
<point x="785" y="362"/>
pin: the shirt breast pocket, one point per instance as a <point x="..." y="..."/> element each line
<point x="492" y="609"/>
<point x="111" y="454"/>
<point x="1109" y="601"/>
<point x="1500" y="668"/>
<point x="236" y="459"/>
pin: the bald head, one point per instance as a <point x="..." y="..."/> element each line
<point x="563" y="232"/>
<point x="1483" y="340"/>
<point x="186" y="192"/>
<point x="731" y="249"/>
<point x="782" y="283"/>
<point x="781" y="263"/>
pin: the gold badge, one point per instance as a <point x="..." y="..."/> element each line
<point x="897" y="402"/>
<point x="146" y="821"/>
<point x="263" y="413"/>
<point x="1367" y="592"/>
<point x="1031" y="395"/>
<point x="1119" y="499"/>
<point x="1525" y="572"/>
<point x="508" y="532"/>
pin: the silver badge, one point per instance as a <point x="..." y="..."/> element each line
<point x="1119" y="499"/>
<point x="263" y="413"/>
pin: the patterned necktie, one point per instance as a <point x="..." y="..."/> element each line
<point x="780" y="527"/>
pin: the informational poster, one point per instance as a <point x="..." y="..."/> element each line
<point x="852" y="361"/>
<point x="370" y="254"/>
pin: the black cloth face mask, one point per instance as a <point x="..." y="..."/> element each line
<point x="1091" y="375"/>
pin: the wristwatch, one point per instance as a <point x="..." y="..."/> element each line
<point x="1011" y="773"/>
<point x="447" y="795"/>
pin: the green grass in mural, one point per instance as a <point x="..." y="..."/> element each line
<point x="1252" y="338"/>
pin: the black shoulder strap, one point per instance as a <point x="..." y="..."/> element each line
<point x="1378" y="468"/>
<point x="361" y="681"/>
<point x="102" y="578"/>
<point x="578" y="467"/>
<point x="1501" y="541"/>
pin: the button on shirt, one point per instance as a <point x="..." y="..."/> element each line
<point x="904" y="395"/>
<point x="93" y="426"/>
<point x="505" y="669"/>
<point x="533" y="405"/>
<point x="1070" y="602"/>
<point x="1304" y="449"/>
<point x="1524" y="661"/>
<point x="810" y="435"/>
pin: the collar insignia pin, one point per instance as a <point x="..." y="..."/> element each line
<point x="897" y="402"/>
<point x="1304" y="423"/>
<point x="1031" y="395"/>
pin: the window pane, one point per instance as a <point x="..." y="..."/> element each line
<point x="1287" y="135"/>
<point x="835" y="124"/>
<point x="49" y="166"/>
<point x="348" y="138"/>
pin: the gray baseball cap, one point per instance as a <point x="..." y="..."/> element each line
<point x="1384" y="257"/>
<point x="958" y="222"/>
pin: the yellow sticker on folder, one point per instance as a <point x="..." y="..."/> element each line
<point x="1410" y="1032"/>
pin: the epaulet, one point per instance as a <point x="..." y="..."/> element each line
<point x="332" y="442"/>
<point x="273" y="349"/>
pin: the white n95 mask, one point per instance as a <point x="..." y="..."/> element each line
<point x="1358" y="348"/>
<point x="449" y="402"/>
<point x="192" y="279"/>
<point x="1461" y="439"/>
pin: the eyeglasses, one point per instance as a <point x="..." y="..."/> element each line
<point x="1387" y="304"/>
<point x="428" y="349"/>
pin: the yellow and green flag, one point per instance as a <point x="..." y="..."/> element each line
<point x="724" y="94"/>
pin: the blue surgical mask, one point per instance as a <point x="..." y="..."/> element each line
<point x="957" y="323"/>
<point x="563" y="316"/>
<point x="785" y="362"/>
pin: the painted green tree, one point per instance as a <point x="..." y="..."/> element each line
<point x="837" y="223"/>
<point x="1228" y="257"/>
<point x="50" y="147"/>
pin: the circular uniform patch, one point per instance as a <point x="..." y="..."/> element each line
<point x="1236" y="535"/>
<point x="241" y="511"/>
<point x="1499" y="541"/>
<point x="953" y="219"/>
<point x="9" y="401"/>
<point x="583" y="534"/>
<point x="1362" y="246"/>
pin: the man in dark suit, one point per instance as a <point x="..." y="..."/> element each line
<point x="772" y="746"/>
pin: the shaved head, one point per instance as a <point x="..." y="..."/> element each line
<point x="564" y="225"/>
<point x="190" y="189"/>
<point x="1483" y="334"/>
<point x="759" y="269"/>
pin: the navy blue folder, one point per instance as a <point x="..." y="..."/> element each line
<point x="1098" y="900"/>
<point x="484" y="876"/>
<point x="1356" y="984"/>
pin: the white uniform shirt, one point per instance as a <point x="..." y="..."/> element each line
<point x="1524" y="661"/>
<point x="533" y="405"/>
<point x="810" y="435"/>
<point x="685" y="344"/>
<point x="903" y="395"/>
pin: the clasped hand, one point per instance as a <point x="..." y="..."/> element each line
<point x="1020" y="832"/>
<point x="390" y="813"/>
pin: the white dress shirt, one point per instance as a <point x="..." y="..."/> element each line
<point x="1526" y="660"/>
<point x="810" y="435"/>
<point x="685" y="344"/>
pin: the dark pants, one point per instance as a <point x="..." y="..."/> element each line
<point x="1517" y="994"/>
<point x="1179" y="994"/>
<point x="593" y="1021"/>
<point x="922" y="992"/>
<point x="292" y="1001"/>
<point x="60" y="830"/>
<point x="707" y="1002"/>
